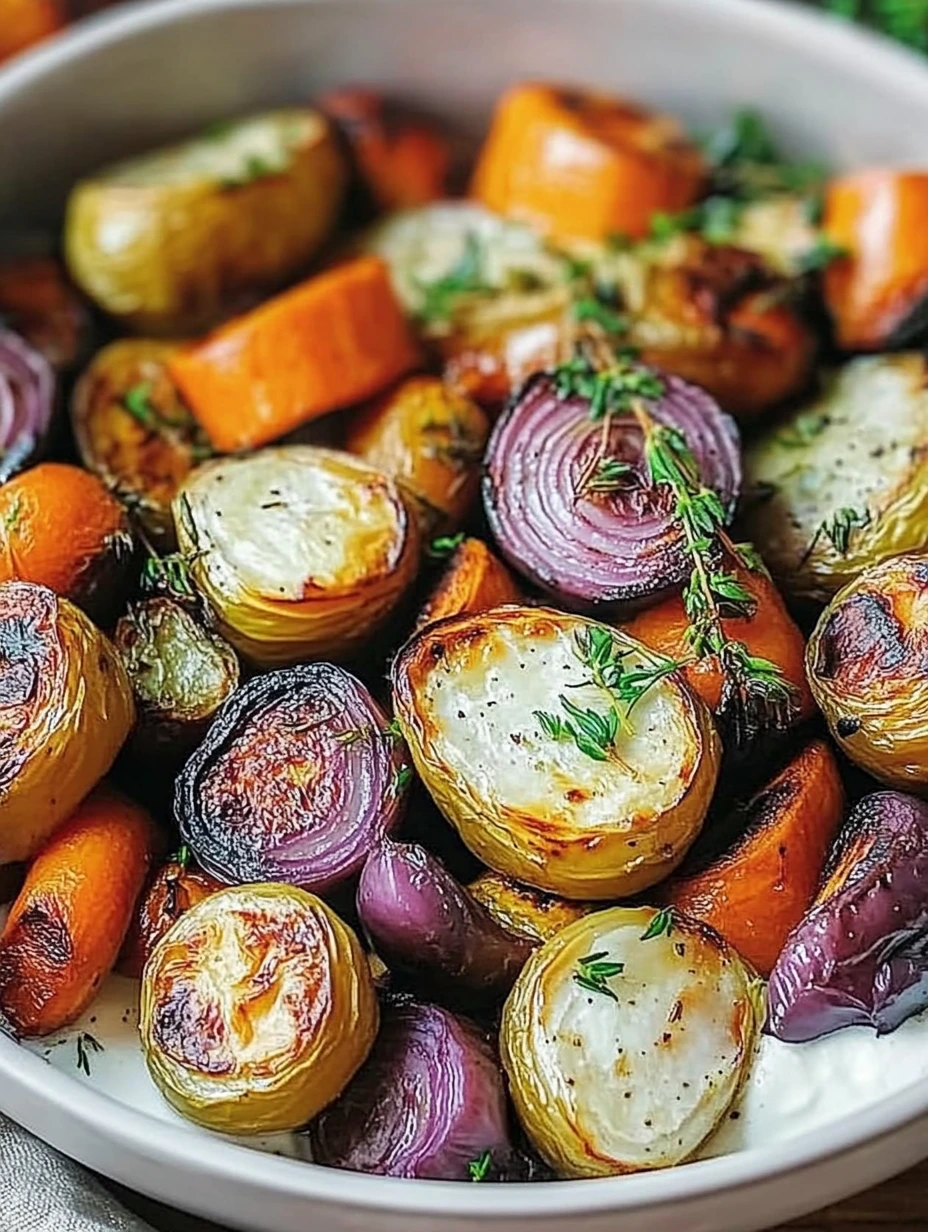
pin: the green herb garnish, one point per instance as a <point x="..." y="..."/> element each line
<point x="661" y="924"/>
<point x="182" y="856"/>
<point x="608" y="476"/>
<point x="402" y="778"/>
<point x="394" y="730"/>
<point x="905" y="20"/>
<point x="611" y="390"/>
<point x="838" y="529"/>
<point x="443" y="547"/>
<point x="168" y="575"/>
<point x="592" y="973"/>
<point x="590" y="309"/>
<point x="137" y="402"/>
<point x="464" y="278"/>
<point x="86" y="1041"/>
<point x="820" y="256"/>
<point x="747" y="163"/>
<point x="478" y="1168"/>
<point x="803" y="429"/>
<point x="13" y="514"/>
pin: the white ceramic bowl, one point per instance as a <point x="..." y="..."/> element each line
<point x="146" y="73"/>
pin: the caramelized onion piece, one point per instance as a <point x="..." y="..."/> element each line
<point x="594" y="548"/>
<point x="27" y="397"/>
<point x="297" y="780"/>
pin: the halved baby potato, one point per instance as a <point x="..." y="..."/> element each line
<point x="303" y="552"/>
<point x="523" y="911"/>
<point x="866" y="665"/>
<point x="626" y="1038"/>
<point x="258" y="1007"/>
<point x="171" y="241"/>
<point x="843" y="482"/>
<point x="487" y="703"/>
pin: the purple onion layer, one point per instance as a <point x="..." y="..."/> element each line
<point x="428" y="1103"/>
<point x="426" y="926"/>
<point x="27" y="400"/>
<point x="298" y="780"/>
<point x="597" y="543"/>
<point x="860" y="955"/>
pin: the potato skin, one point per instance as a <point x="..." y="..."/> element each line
<point x="530" y="828"/>
<point x="523" y="911"/>
<point x="192" y="243"/>
<point x="681" y="999"/>
<point x="67" y="925"/>
<point x="431" y="440"/>
<point x="143" y="461"/>
<point x="865" y="662"/>
<point x="67" y="710"/>
<point x="755" y="890"/>
<point x="854" y="456"/>
<point x="258" y="1007"/>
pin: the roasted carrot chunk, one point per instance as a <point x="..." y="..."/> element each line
<point x="877" y="293"/>
<point x="24" y="22"/>
<point x="400" y="159"/>
<point x="770" y="633"/>
<point x="575" y="163"/>
<point x="333" y="340"/>
<point x="474" y="581"/>
<point x="757" y="890"/>
<point x="67" y="925"/>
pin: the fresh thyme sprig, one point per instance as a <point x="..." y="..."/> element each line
<point x="478" y="1169"/>
<point x="838" y="530"/>
<point x="86" y="1043"/>
<point x="661" y="924"/>
<point x="444" y="546"/>
<point x="592" y="973"/>
<point x="755" y="693"/>
<point x="614" y="389"/>
<point x="465" y="277"/>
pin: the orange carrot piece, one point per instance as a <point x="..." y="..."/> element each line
<point x="770" y="633"/>
<point x="25" y="22"/>
<point x="331" y="341"/>
<point x="67" y="925"/>
<point x="581" y="164"/>
<point x="758" y="890"/>
<point x="474" y="581"/>
<point x="881" y="218"/>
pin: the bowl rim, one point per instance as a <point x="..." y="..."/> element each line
<point x="29" y="1082"/>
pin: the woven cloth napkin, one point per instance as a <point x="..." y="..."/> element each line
<point x="41" y="1191"/>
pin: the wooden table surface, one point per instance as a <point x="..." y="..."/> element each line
<point x="900" y="1205"/>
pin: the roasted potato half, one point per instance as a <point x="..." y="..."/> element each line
<point x="67" y="708"/>
<point x="522" y="911"/>
<point x="534" y="765"/>
<point x="431" y="440"/>
<point x="626" y="1038"/>
<point x="258" y="1007"/>
<point x="133" y="429"/>
<point x="303" y="552"/>
<point x="843" y="482"/>
<point x="169" y="242"/>
<point x="866" y="665"/>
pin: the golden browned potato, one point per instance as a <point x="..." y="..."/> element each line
<point x="133" y="429"/>
<point x="171" y="241"/>
<point x="431" y="440"/>
<point x="843" y="482"/>
<point x="542" y="773"/>
<point x="258" y="1007"/>
<point x="626" y="1038"/>
<point x="524" y="911"/>
<point x="302" y="552"/>
<point x="866" y="664"/>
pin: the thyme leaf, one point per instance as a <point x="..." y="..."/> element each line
<point x="465" y="277"/>
<point x="137" y="402"/>
<point x="590" y="308"/>
<point x="608" y="476"/>
<point x="661" y="924"/>
<point x="86" y="1041"/>
<point x="838" y="529"/>
<point x="610" y="390"/>
<point x="478" y="1168"/>
<point x="444" y="546"/>
<point x="820" y="255"/>
<point x="13" y="514"/>
<point x="803" y="429"/>
<point x="401" y="779"/>
<point x="592" y="973"/>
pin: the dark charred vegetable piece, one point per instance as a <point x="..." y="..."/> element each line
<point x="174" y="889"/>
<point x="134" y="430"/>
<point x="180" y="675"/>
<point x="38" y="303"/>
<point x="569" y="496"/>
<point x="422" y="923"/>
<point x="27" y="400"/>
<point x="428" y="1103"/>
<point x="860" y="956"/>
<point x="298" y="779"/>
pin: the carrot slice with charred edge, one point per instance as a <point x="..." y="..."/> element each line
<point x="757" y="891"/>
<point x="333" y="340"/>
<point x="474" y="581"/>
<point x="24" y="22"/>
<point x="400" y="159"/>
<point x="576" y="163"/>
<point x="66" y="927"/>
<point x="61" y="528"/>
<point x="880" y="217"/>
<point x="770" y="633"/>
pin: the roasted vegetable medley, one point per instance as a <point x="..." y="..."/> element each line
<point x="464" y="652"/>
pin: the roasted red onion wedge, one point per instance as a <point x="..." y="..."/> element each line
<point x="298" y="780"/>
<point x="860" y="956"/>
<point x="27" y="398"/>
<point x="422" y="923"/>
<point x="429" y="1102"/>
<point x="571" y="503"/>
